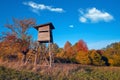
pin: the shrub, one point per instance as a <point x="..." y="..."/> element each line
<point x="82" y="57"/>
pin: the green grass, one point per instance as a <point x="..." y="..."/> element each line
<point x="62" y="72"/>
<point x="96" y="74"/>
<point x="10" y="74"/>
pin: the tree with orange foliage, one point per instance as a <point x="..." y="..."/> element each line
<point x="9" y="46"/>
<point x="81" y="52"/>
<point x="20" y="29"/>
<point x="81" y="46"/>
<point x="67" y="46"/>
<point x="68" y="50"/>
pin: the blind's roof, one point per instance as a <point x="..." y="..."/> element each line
<point x="42" y="25"/>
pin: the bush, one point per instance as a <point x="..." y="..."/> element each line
<point x="96" y="58"/>
<point x="82" y="57"/>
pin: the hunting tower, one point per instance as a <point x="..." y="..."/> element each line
<point x="45" y="36"/>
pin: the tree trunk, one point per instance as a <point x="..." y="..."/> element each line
<point x="35" y="62"/>
<point x="24" y="58"/>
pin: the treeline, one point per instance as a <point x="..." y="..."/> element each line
<point x="79" y="53"/>
<point x="17" y="44"/>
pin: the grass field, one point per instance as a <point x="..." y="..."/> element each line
<point x="59" y="72"/>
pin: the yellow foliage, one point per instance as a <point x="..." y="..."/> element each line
<point x="111" y="62"/>
<point x="82" y="57"/>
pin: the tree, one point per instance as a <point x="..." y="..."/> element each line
<point x="9" y="46"/>
<point x="20" y="29"/>
<point x="80" y="46"/>
<point x="67" y="46"/>
<point x="82" y="58"/>
<point x="95" y="58"/>
<point x="112" y="52"/>
<point x="68" y="51"/>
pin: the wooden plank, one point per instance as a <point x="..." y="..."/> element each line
<point x="44" y="36"/>
<point x="44" y="28"/>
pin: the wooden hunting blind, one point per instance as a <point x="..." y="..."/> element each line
<point x="45" y="33"/>
<point x="44" y="36"/>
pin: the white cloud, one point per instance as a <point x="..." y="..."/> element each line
<point x="71" y="26"/>
<point x="36" y="7"/>
<point x="94" y="15"/>
<point x="83" y="19"/>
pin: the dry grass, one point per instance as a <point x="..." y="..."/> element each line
<point x="68" y="71"/>
<point x="58" y="68"/>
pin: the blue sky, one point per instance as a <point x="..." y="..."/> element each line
<point x="97" y="22"/>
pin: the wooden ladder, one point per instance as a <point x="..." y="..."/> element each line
<point x="39" y="58"/>
<point x="29" y="59"/>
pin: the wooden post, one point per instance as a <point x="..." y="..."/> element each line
<point x="36" y="54"/>
<point x="50" y="56"/>
<point x="35" y="62"/>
